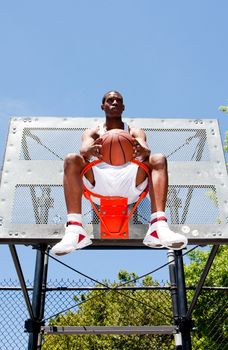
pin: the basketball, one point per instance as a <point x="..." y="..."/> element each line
<point x="117" y="147"/>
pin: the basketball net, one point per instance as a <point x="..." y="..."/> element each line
<point x="113" y="214"/>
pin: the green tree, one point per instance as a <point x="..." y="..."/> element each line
<point x="112" y="308"/>
<point x="225" y="110"/>
<point x="226" y="142"/>
<point x="149" y="307"/>
<point x="211" y="312"/>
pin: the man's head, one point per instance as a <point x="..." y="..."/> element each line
<point x="112" y="104"/>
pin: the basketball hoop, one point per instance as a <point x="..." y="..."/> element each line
<point x="113" y="214"/>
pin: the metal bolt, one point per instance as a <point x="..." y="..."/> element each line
<point x="195" y="233"/>
<point x="185" y="229"/>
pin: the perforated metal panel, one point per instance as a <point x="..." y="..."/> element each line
<point x="32" y="206"/>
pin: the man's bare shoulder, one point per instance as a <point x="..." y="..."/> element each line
<point x="136" y="131"/>
<point x="91" y="132"/>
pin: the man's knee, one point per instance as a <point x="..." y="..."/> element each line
<point x="158" y="161"/>
<point x="73" y="161"/>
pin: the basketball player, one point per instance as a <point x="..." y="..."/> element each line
<point x="128" y="181"/>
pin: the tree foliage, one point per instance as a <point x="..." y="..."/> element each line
<point x="211" y="312"/>
<point x="226" y="143"/>
<point x="149" y="307"/>
<point x="117" y="308"/>
<point x="225" y="109"/>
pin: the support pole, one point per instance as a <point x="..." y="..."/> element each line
<point x="38" y="300"/>
<point x="174" y="295"/>
<point x="184" y="324"/>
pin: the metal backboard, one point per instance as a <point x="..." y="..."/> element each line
<point x="32" y="206"/>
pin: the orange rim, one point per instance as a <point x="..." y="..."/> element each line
<point x="98" y="161"/>
<point x="87" y="193"/>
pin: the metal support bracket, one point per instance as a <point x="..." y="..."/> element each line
<point x="67" y="330"/>
<point x="184" y="324"/>
<point x="33" y="326"/>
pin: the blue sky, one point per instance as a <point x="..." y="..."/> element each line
<point x="58" y="58"/>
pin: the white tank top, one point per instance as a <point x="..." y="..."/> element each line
<point x="113" y="180"/>
<point x="101" y="130"/>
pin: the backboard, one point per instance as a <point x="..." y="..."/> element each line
<point x="32" y="206"/>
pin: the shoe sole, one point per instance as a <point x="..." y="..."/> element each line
<point x="79" y="246"/>
<point x="151" y="245"/>
<point x="170" y="245"/>
<point x="175" y="246"/>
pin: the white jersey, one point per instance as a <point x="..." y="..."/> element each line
<point x="118" y="180"/>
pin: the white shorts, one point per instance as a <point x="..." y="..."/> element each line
<point x="116" y="181"/>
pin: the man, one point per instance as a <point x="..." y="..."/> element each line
<point x="102" y="180"/>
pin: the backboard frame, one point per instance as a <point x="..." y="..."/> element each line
<point x="17" y="172"/>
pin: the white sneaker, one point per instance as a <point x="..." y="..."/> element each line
<point x="75" y="237"/>
<point x="159" y="235"/>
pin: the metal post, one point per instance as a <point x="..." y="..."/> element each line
<point x="174" y="295"/>
<point x="38" y="299"/>
<point x="43" y="294"/>
<point x="184" y="324"/>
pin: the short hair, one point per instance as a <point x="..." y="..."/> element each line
<point x="105" y="95"/>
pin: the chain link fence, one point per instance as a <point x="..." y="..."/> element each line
<point x="149" y="303"/>
<point x="211" y="324"/>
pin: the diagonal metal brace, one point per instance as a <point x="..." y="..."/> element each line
<point x="21" y="280"/>
<point x="203" y="276"/>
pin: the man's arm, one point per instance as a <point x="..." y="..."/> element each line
<point x="141" y="148"/>
<point x="91" y="144"/>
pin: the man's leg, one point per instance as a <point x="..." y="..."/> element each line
<point x="72" y="182"/>
<point x="158" y="186"/>
<point x="75" y="236"/>
<point x="159" y="235"/>
<point x="159" y="182"/>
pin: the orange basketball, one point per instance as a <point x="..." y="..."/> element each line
<point x="117" y="147"/>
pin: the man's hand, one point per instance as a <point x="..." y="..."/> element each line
<point x="140" y="150"/>
<point x="91" y="148"/>
<point x="95" y="148"/>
